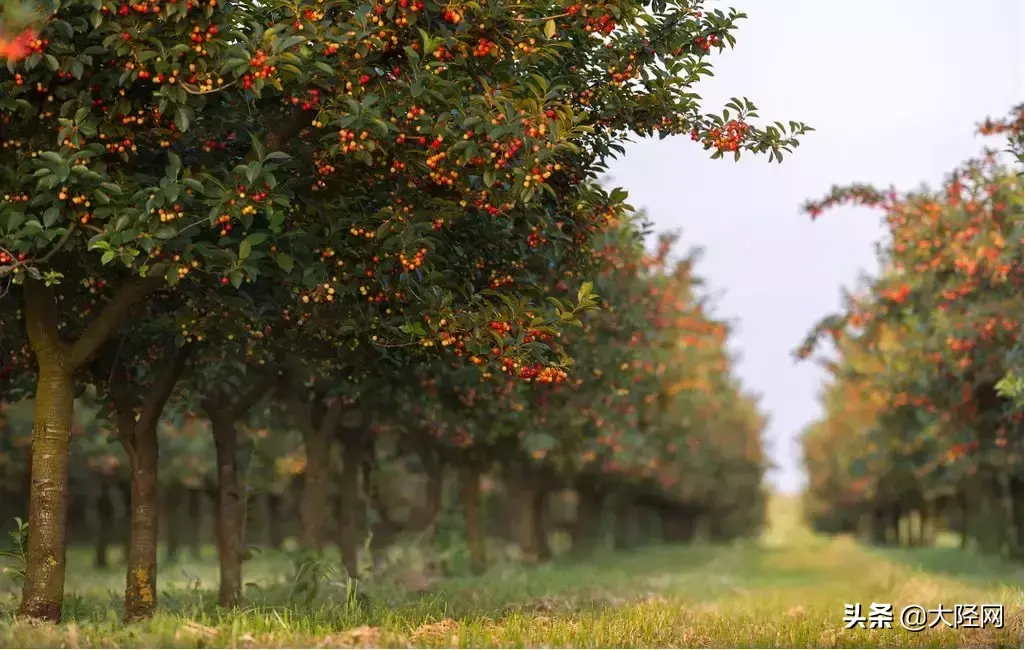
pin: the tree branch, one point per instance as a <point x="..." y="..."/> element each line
<point x="60" y="244"/>
<point x="193" y="90"/>
<point x="41" y="320"/>
<point x="113" y="313"/>
<point x="160" y="391"/>
<point x="117" y="388"/>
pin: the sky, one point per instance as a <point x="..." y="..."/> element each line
<point x="894" y="89"/>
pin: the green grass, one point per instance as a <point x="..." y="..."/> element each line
<point x="786" y="590"/>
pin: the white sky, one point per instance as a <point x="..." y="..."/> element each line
<point x="894" y="89"/>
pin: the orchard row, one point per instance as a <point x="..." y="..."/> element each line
<point x="923" y="416"/>
<point x="375" y="224"/>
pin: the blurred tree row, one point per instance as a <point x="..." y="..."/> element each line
<point x="922" y="424"/>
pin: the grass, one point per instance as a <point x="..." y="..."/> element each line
<point x="786" y="590"/>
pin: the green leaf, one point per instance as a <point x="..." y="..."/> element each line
<point x="244" y="249"/>
<point x="107" y="257"/>
<point x="51" y="215"/>
<point x="181" y="119"/>
<point x="253" y="170"/>
<point x="256" y="238"/>
<point x="550" y="29"/>
<point x="174" y="165"/>
<point x="285" y="261"/>
<point x="585" y="291"/>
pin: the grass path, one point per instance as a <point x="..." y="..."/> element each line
<point x="787" y="590"/>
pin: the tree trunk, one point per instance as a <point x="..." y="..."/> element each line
<point x="715" y="526"/>
<point x="524" y="505"/>
<point x="349" y="516"/>
<point x="626" y="523"/>
<point x="229" y="515"/>
<point x="586" y="527"/>
<point x="539" y="508"/>
<point x="679" y="525"/>
<point x="894" y="526"/>
<point x="879" y="526"/>
<point x="194" y="510"/>
<point x="963" y="518"/>
<point x="275" y="530"/>
<point x="914" y="532"/>
<point x="687" y="520"/>
<point x="104" y="523"/>
<point x="314" y="508"/>
<point x="469" y="497"/>
<point x="172" y="520"/>
<point x="141" y="587"/>
<point x="432" y="500"/>
<point x="1018" y="511"/>
<point x="648" y="524"/>
<point x="57" y="361"/>
<point x="43" y="592"/>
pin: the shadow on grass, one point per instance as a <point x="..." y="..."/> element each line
<point x="981" y="570"/>
<point x="187" y="590"/>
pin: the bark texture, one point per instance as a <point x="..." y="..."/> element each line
<point x="58" y="361"/>
<point x="224" y="411"/>
<point x="229" y="513"/>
